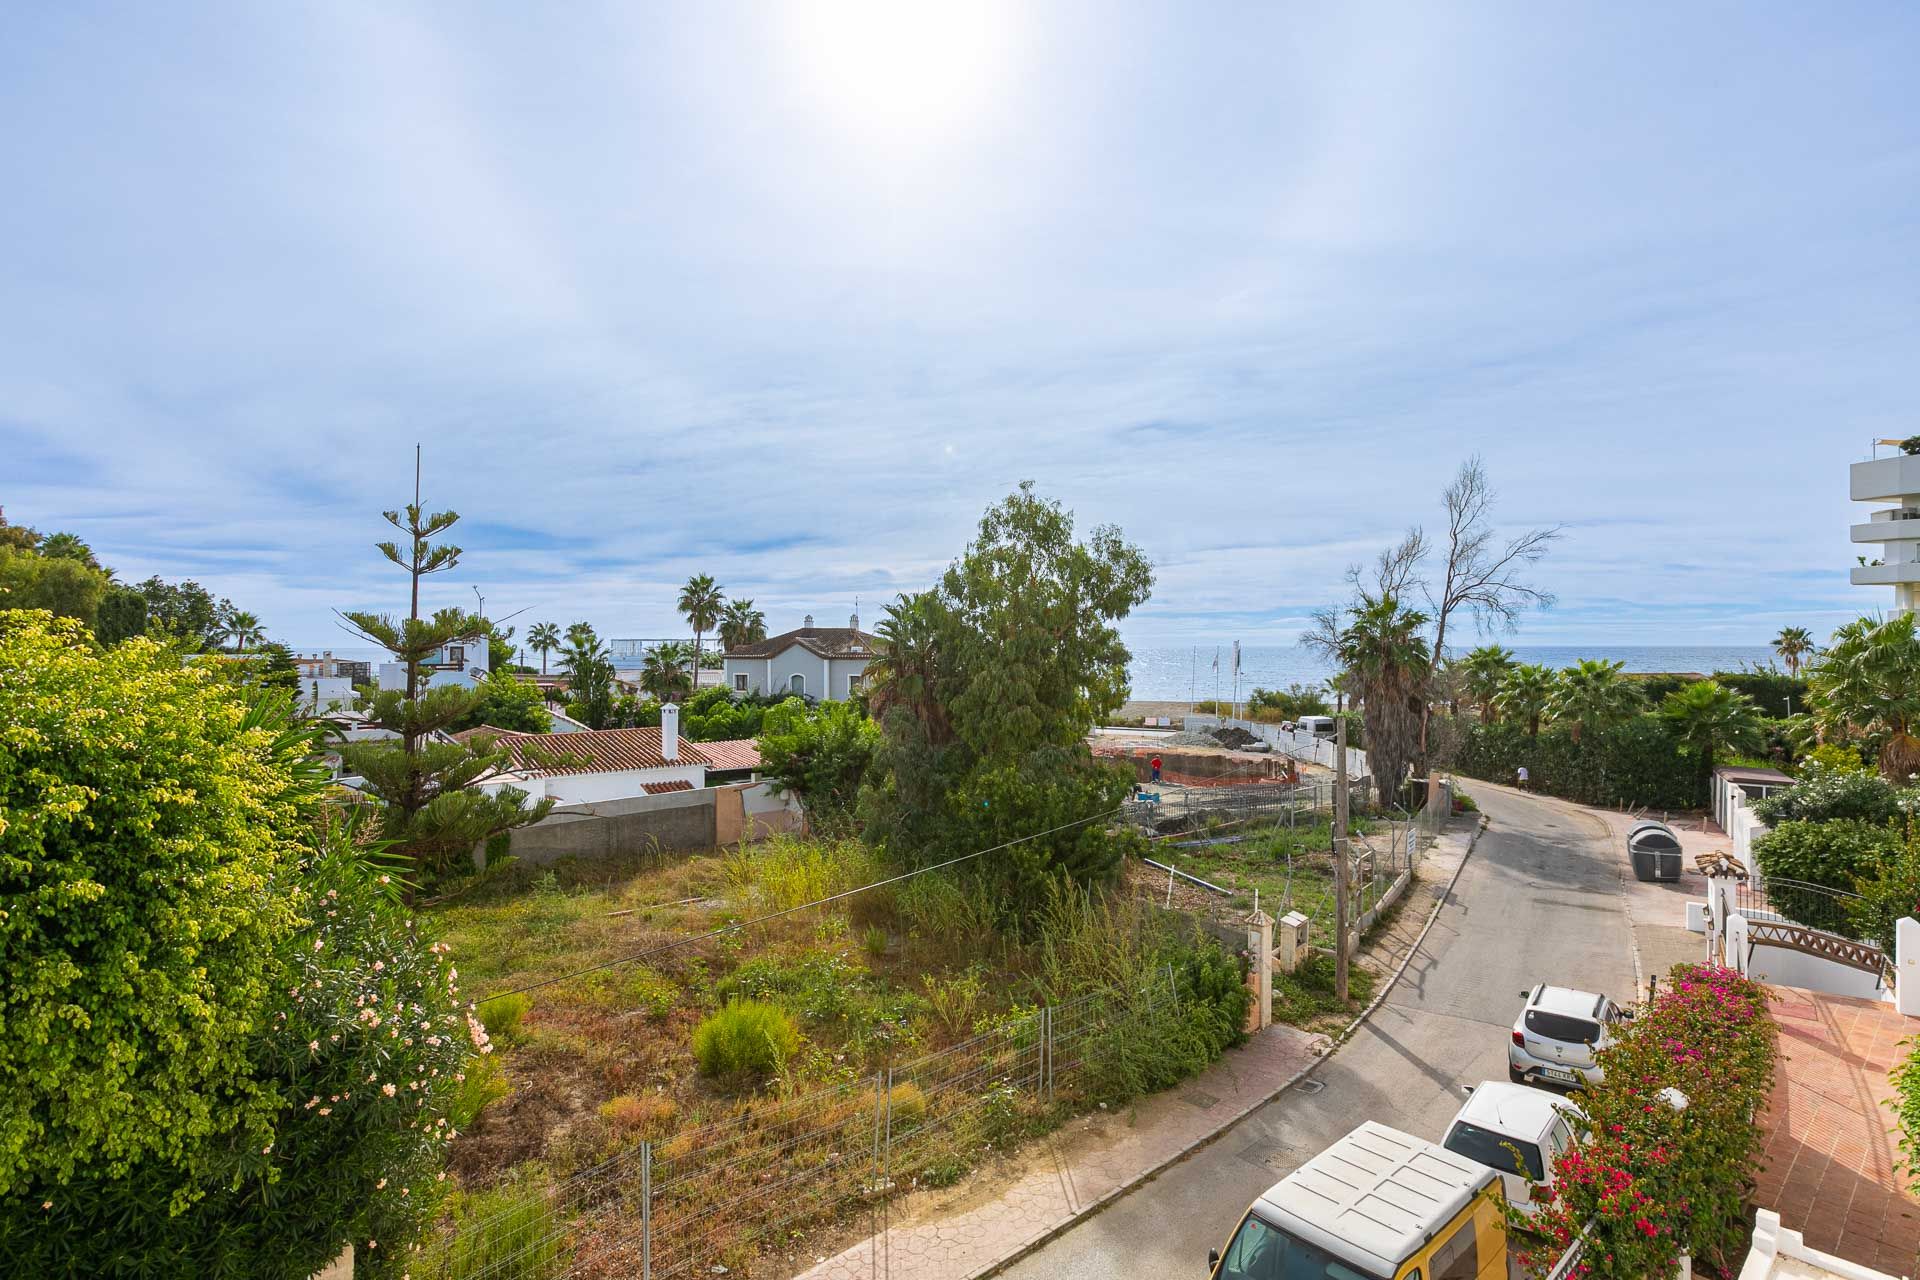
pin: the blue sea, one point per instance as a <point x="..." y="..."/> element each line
<point x="1173" y="674"/>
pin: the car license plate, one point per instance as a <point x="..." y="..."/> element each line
<point x="1561" y="1074"/>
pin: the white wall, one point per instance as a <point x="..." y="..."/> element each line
<point x="1731" y="810"/>
<point x="582" y="788"/>
<point x="326" y="693"/>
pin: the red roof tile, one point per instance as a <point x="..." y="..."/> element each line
<point x="661" y="788"/>
<point x="592" y="751"/>
<point x="732" y="753"/>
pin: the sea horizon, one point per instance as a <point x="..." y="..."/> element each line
<point x="1176" y="673"/>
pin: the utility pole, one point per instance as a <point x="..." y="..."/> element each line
<point x="1340" y="860"/>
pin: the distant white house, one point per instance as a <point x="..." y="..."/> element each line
<point x="464" y="662"/>
<point x="324" y="695"/>
<point x="613" y="764"/>
<point x="813" y="662"/>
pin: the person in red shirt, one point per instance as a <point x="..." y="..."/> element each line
<point x="1155" y="762"/>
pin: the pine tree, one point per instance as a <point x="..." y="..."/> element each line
<point x="426" y="782"/>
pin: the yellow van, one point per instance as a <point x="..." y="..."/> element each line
<point x="1376" y="1205"/>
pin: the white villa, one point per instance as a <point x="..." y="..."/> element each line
<point x="464" y="662"/>
<point x="597" y="765"/>
<point x="1896" y="528"/>
<point x="813" y="662"/>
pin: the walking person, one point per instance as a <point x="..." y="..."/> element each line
<point x="1155" y="762"/>
<point x="1521" y="775"/>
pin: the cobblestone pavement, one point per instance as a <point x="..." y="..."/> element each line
<point x="1832" y="1160"/>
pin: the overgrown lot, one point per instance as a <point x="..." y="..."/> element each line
<point x="1291" y="867"/>
<point x="747" y="1039"/>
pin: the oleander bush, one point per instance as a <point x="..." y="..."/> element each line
<point x="1829" y="792"/>
<point x="1648" y="1181"/>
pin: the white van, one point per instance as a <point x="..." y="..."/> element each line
<point x="1318" y="726"/>
<point x="1500" y="1119"/>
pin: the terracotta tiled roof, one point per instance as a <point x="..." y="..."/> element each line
<point x="468" y="735"/>
<point x="823" y="642"/>
<point x="592" y="751"/>
<point x="734" y="753"/>
<point x="661" y="788"/>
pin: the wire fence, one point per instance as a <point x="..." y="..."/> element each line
<point x="737" y="1195"/>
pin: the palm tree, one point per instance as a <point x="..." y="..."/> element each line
<point x="589" y="676"/>
<point x="700" y="604"/>
<point x="1709" y="717"/>
<point x="238" y="626"/>
<point x="663" y="672"/>
<point x="1594" y="694"/>
<point x="1868" y="682"/>
<point x="1486" y="670"/>
<point x="1388" y="665"/>
<point x="905" y="670"/>
<point x="543" y="638"/>
<point x="1526" y="691"/>
<point x="581" y="635"/>
<point x="1794" y="645"/>
<point x="741" y="625"/>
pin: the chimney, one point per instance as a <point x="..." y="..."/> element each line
<point x="670" y="731"/>
<point x="806" y="623"/>
<point x="853" y="623"/>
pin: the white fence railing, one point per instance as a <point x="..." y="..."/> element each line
<point x="1295" y="743"/>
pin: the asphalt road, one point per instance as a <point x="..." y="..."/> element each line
<point x="1539" y="901"/>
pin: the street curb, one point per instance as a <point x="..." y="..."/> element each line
<point x="1147" y="1175"/>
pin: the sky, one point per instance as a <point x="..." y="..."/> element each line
<point x="789" y="294"/>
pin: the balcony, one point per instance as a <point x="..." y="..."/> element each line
<point x="1884" y="575"/>
<point x="1905" y="529"/>
<point x="1883" y="479"/>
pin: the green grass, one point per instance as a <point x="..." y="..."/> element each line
<point x="1305" y="998"/>
<point x="1291" y="868"/>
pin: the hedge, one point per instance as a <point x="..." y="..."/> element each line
<point x="1647" y="1182"/>
<point x="1635" y="764"/>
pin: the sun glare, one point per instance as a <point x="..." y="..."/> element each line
<point x="901" y="68"/>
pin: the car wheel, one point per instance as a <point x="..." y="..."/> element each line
<point x="1515" y="1074"/>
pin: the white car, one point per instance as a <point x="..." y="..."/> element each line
<point x="1559" y="1034"/>
<point x="1500" y="1119"/>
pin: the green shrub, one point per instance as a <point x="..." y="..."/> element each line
<point x="874" y="941"/>
<point x="1888" y="893"/>
<point x="143" y="822"/>
<point x="485" y="1084"/>
<point x="787" y="871"/>
<point x="906" y="1105"/>
<point x="1837" y="758"/>
<point x="1826" y="793"/>
<point x="1835" y="854"/>
<point x="501" y="1016"/>
<point x="745" y="1038"/>
<point x="1638" y="763"/>
<point x="507" y="1233"/>
<point x="365" y="1108"/>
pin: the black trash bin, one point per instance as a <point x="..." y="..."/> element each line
<point x="1654" y="851"/>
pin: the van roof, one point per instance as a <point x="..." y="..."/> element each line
<point x="1375" y="1196"/>
<point x="1513" y="1109"/>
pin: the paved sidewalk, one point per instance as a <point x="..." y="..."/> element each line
<point x="1093" y="1160"/>
<point x="1832" y="1155"/>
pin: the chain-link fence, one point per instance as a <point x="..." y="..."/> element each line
<point x="740" y="1195"/>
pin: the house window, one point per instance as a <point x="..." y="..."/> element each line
<point x="739" y="682"/>
<point x="457" y="655"/>
<point x="854" y="682"/>
<point x="798" y="684"/>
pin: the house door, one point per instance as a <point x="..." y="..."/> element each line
<point x="798" y="684"/>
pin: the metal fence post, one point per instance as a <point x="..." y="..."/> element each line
<point x="646" y="1210"/>
<point x="886" y="1185"/>
<point x="879" y="1105"/>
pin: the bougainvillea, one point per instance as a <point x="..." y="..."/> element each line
<point x="1649" y="1180"/>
